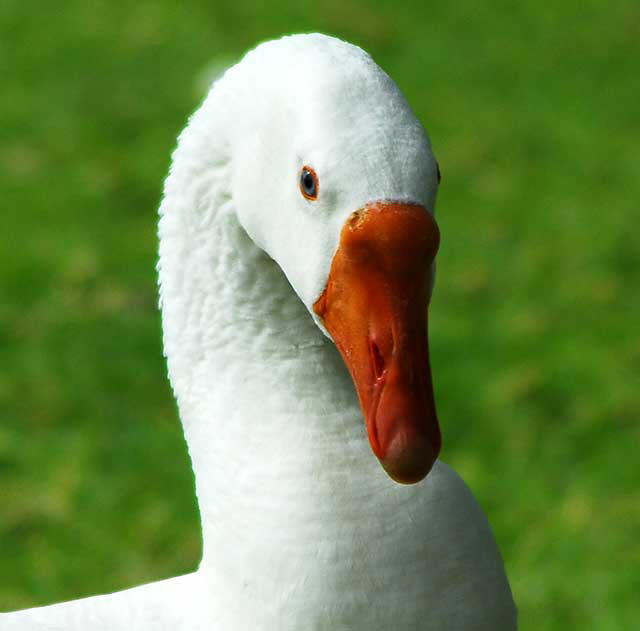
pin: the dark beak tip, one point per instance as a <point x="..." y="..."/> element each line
<point x="409" y="463"/>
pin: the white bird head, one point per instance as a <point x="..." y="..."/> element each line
<point x="331" y="174"/>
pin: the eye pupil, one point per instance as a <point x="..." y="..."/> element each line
<point x="308" y="183"/>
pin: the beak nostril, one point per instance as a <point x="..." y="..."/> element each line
<point x="377" y="360"/>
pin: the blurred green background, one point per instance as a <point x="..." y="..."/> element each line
<point x="533" y="112"/>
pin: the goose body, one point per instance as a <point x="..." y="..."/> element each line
<point x="302" y="527"/>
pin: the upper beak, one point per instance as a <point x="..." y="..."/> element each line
<point x="375" y="308"/>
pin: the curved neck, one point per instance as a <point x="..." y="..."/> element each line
<point x="273" y="425"/>
<point x="296" y="510"/>
<point x="269" y="399"/>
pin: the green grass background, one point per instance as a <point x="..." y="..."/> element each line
<point x="533" y="111"/>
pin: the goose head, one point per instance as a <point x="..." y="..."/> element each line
<point x="332" y="175"/>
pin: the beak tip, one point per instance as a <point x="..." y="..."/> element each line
<point x="409" y="461"/>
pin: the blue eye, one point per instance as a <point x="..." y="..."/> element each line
<point x="309" y="183"/>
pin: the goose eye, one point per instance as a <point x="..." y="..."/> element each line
<point x="309" y="183"/>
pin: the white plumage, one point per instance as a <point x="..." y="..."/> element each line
<point x="302" y="528"/>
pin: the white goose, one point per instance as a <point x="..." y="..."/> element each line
<point x="306" y="159"/>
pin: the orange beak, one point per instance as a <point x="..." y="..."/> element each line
<point x="375" y="308"/>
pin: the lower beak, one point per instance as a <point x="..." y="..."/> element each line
<point x="375" y="308"/>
